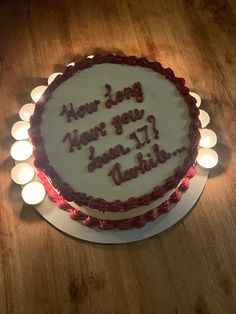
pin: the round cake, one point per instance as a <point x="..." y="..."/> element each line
<point x="115" y="140"/>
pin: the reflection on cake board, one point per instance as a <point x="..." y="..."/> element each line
<point x="61" y="220"/>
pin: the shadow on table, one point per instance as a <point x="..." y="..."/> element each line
<point x="6" y="140"/>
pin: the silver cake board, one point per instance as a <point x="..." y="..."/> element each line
<point x="60" y="219"/>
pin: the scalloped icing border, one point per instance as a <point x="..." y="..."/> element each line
<point x="138" y="221"/>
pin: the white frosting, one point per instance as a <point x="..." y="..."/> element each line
<point x="161" y="99"/>
<point x="122" y="215"/>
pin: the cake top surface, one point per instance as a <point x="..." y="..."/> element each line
<point x="115" y="132"/>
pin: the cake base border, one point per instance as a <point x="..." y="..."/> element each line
<point x="60" y="219"/>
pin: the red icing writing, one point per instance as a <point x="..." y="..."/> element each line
<point x="119" y="176"/>
<point x="134" y="136"/>
<point x="152" y="120"/>
<point x="135" y="91"/>
<point x="179" y="150"/>
<point x="125" y="118"/>
<point x="70" y="112"/>
<point x="112" y="153"/>
<point x="77" y="141"/>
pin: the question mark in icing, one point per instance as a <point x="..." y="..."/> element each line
<point x="152" y="120"/>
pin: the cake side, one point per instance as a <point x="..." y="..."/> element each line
<point x="122" y="223"/>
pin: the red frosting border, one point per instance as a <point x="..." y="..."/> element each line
<point x="135" y="222"/>
<point x="82" y="199"/>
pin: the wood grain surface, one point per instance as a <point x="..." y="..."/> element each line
<point x="188" y="269"/>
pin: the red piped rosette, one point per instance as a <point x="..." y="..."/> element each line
<point x="82" y="199"/>
<point x="135" y="222"/>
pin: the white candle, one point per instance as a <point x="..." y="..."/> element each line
<point x="53" y="76"/>
<point x="37" y="92"/>
<point x="197" y="97"/>
<point x="26" y="111"/>
<point x="208" y="138"/>
<point x="33" y="193"/>
<point x="21" y="150"/>
<point x="20" y="130"/>
<point x="22" y="173"/>
<point x="204" y="118"/>
<point x="71" y="64"/>
<point x="207" y="158"/>
<point x="90" y="56"/>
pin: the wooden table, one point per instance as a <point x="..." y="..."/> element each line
<point x="188" y="269"/>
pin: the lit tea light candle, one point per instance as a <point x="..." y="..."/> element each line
<point x="33" y="193"/>
<point x="37" y="92"/>
<point x="207" y="158"/>
<point x="26" y="111"/>
<point x="208" y="138"/>
<point x="204" y="118"/>
<point x="197" y="97"/>
<point x="71" y="64"/>
<point x="90" y="57"/>
<point x="53" y="76"/>
<point x="21" y="150"/>
<point x="20" y="130"/>
<point x="22" y="173"/>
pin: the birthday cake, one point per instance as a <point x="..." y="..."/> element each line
<point x="115" y="140"/>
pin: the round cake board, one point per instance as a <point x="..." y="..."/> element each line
<point x="61" y="220"/>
